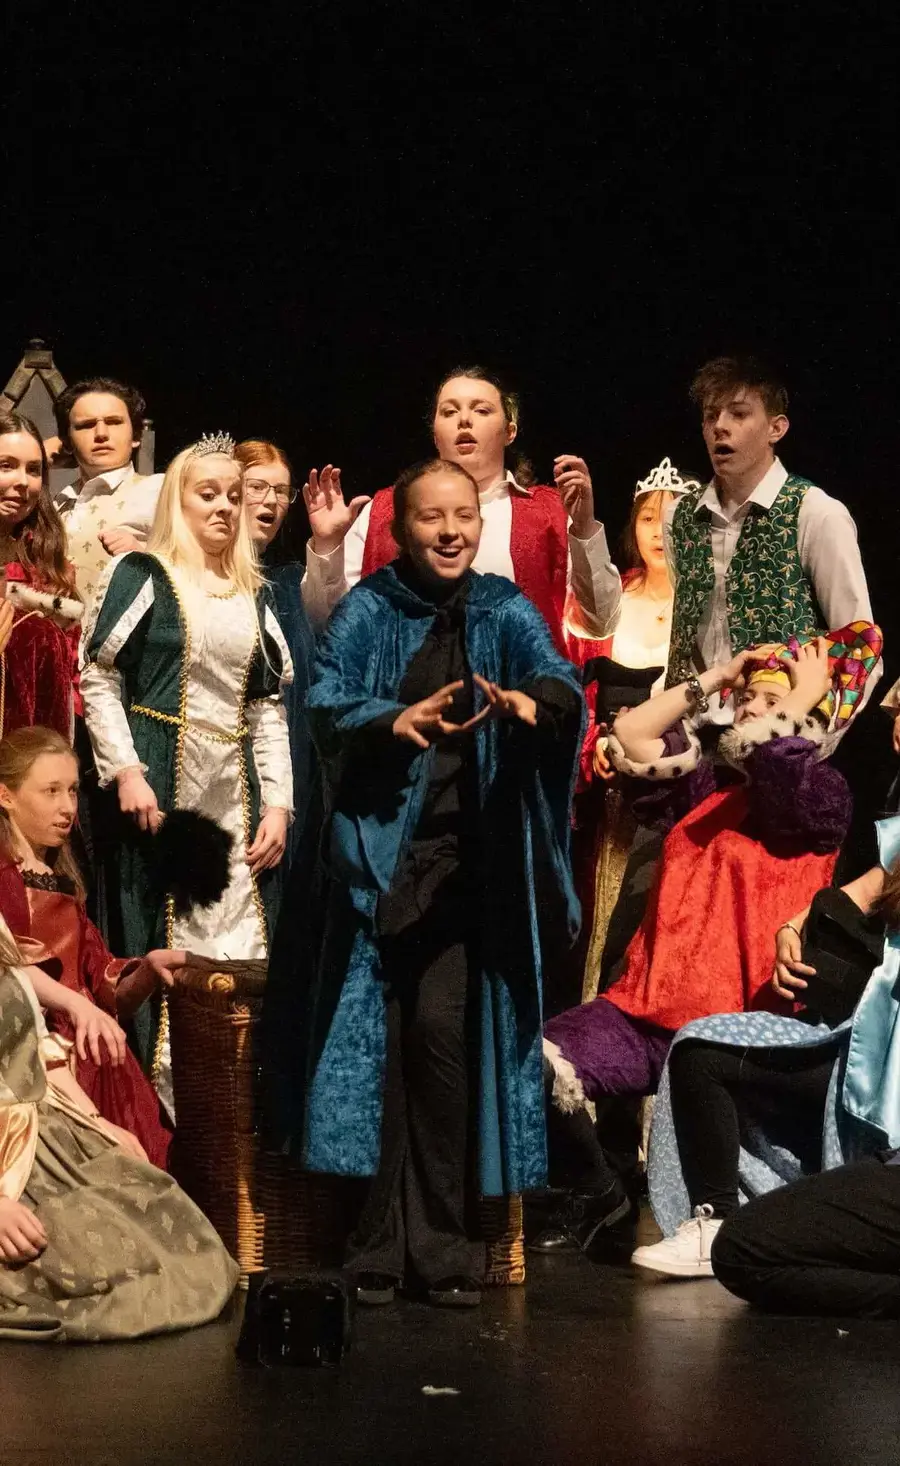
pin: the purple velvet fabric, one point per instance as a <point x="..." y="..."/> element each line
<point x="610" y="1052"/>
<point x="797" y="801"/>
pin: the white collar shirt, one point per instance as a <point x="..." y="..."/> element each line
<point x="829" y="557"/>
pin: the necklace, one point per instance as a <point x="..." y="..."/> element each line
<point x="664" y="601"/>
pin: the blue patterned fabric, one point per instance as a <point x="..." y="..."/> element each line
<point x="763" y="1164"/>
<point x="373" y="636"/>
<point x="862" y="1112"/>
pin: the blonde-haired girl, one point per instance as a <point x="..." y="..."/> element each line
<point x="183" y="665"/>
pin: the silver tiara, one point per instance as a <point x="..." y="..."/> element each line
<point x="664" y="479"/>
<point x="214" y="443"/>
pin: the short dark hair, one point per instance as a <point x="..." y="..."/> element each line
<point x="720" y="378"/>
<point x="405" y="480"/>
<point x="134" y="403"/>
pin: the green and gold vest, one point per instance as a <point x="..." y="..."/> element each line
<point x="767" y="593"/>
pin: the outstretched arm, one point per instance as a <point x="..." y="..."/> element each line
<point x="640" y="730"/>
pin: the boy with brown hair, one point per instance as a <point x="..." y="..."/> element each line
<point x="759" y="554"/>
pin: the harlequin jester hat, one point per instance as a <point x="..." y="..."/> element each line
<point x="852" y="653"/>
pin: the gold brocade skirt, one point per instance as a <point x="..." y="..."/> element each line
<point x="129" y="1253"/>
<point x="612" y="851"/>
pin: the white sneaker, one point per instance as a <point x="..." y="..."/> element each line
<point x="686" y="1255"/>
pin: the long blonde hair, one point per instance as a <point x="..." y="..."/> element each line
<point x="171" y="539"/>
<point x="19" y="751"/>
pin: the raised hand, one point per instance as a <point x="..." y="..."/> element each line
<point x="422" y="723"/>
<point x="330" y="516"/>
<point x="810" y="674"/>
<point x="573" y="479"/>
<point x="508" y="704"/>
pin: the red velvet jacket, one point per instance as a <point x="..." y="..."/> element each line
<point x="539" y="548"/>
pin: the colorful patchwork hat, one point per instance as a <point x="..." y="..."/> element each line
<point x="852" y="653"/>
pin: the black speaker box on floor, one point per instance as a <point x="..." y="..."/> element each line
<point x="296" y="1318"/>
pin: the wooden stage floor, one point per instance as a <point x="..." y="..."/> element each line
<point x="588" y="1364"/>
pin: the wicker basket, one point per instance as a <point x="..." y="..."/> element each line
<point x="267" y="1211"/>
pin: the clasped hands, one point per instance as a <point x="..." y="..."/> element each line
<point x="424" y="722"/>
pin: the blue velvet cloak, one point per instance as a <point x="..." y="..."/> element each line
<point x="285" y="582"/>
<point x="525" y="788"/>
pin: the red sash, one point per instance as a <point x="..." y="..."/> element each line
<point x="538" y="545"/>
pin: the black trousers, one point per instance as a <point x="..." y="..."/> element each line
<point x="419" y="1216"/>
<point x="577" y="1160"/>
<point x="715" y="1089"/>
<point x="829" y="1244"/>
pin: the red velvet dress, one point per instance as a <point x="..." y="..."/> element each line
<point x="72" y="950"/>
<point x="38" y="669"/>
<point x="706" y="942"/>
<point x="538" y="547"/>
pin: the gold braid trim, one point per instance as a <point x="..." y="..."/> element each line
<point x="217" y="735"/>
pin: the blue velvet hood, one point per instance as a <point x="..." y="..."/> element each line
<point x="525" y="789"/>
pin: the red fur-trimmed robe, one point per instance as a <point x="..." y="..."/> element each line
<point x="37" y="669"/>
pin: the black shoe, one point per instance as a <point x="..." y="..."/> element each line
<point x="554" y="1238"/>
<point x="374" y="1289"/>
<point x="584" y="1215"/>
<point x="456" y="1292"/>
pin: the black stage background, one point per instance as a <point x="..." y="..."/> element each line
<point x="291" y="224"/>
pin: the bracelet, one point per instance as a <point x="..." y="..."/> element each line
<point x="695" y="693"/>
<point x="791" y="928"/>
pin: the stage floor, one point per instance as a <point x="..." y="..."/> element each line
<point x="588" y="1364"/>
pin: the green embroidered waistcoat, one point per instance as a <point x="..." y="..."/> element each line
<point x="767" y="593"/>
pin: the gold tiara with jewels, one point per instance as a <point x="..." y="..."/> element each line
<point x="664" y="479"/>
<point x="214" y="443"/>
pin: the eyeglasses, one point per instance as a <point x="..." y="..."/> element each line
<point x="255" y="490"/>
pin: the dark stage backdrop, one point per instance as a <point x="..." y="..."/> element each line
<point x="292" y="225"/>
